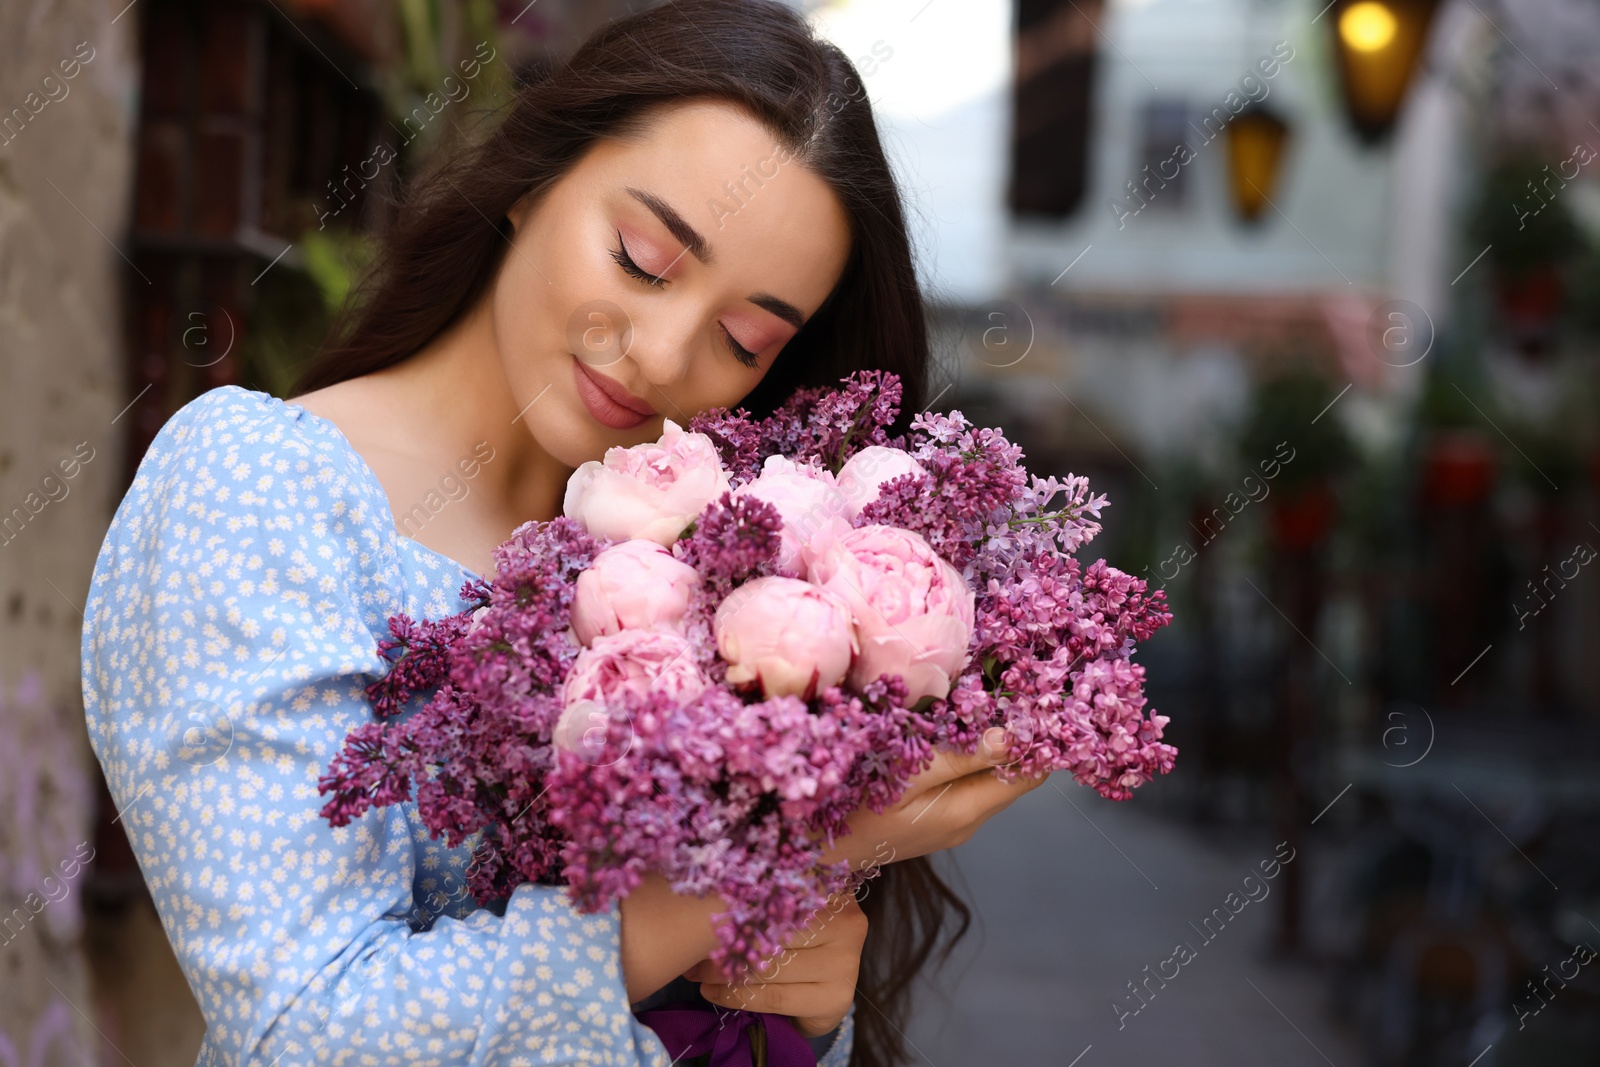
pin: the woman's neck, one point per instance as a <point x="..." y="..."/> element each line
<point x="441" y="433"/>
<point x="455" y="392"/>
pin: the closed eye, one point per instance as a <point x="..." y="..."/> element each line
<point x="632" y="269"/>
<point x="740" y="352"/>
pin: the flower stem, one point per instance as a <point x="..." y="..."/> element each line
<point x="1068" y="512"/>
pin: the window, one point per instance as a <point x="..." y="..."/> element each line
<point x="1161" y="178"/>
<point x="1052" y="94"/>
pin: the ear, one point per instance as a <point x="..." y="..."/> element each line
<point x="517" y="215"/>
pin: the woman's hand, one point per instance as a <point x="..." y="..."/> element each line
<point x="813" y="981"/>
<point x="940" y="809"/>
<point x="663" y="933"/>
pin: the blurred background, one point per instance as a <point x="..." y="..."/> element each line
<point x="1310" y="288"/>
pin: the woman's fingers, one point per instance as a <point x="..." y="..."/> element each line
<point x="813" y="979"/>
<point x="983" y="795"/>
<point x="704" y="971"/>
<point x="816" y="1007"/>
<point x="971" y="801"/>
<point x="791" y="965"/>
<point x="950" y="766"/>
<point x="940" y="808"/>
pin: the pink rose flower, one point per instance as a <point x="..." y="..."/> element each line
<point x="806" y="501"/>
<point x="632" y="585"/>
<point x="634" y="662"/>
<point x="864" y="473"/>
<point x="792" y="637"/>
<point x="653" y="491"/>
<point x="581" y="729"/>
<point x="913" y="612"/>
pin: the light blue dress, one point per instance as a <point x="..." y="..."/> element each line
<point x="231" y="630"/>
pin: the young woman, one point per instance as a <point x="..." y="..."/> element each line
<point x="694" y="212"/>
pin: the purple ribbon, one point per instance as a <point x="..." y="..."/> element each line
<point x="696" y="1031"/>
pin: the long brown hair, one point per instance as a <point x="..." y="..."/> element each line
<point x="443" y="250"/>
<point x="450" y="236"/>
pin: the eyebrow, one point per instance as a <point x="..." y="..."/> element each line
<point x="675" y="223"/>
<point x="781" y="308"/>
<point x="698" y="247"/>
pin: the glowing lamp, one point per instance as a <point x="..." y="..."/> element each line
<point x="1367" y="26"/>
<point x="1376" y="46"/>
<point x="1255" y="144"/>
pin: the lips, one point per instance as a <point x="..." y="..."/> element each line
<point x="609" y="403"/>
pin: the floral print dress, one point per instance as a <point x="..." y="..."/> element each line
<point x="232" y="627"/>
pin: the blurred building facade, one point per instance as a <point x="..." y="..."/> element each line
<point x="1383" y="646"/>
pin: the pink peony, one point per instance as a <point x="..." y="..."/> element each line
<point x="806" y="501"/>
<point x="863" y="473"/>
<point x="793" y="637"/>
<point x="632" y="585"/>
<point x="914" y="613"/>
<point x="634" y="662"/>
<point x="653" y="491"/>
<point x="581" y="728"/>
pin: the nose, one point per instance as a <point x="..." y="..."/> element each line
<point x="664" y="341"/>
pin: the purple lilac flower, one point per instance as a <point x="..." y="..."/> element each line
<point x="734" y="795"/>
<point x="822" y="424"/>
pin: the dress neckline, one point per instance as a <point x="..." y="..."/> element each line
<point x="331" y="429"/>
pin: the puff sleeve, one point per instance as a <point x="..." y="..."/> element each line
<point x="230" y="632"/>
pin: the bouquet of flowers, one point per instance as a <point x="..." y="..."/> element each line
<point x="741" y="633"/>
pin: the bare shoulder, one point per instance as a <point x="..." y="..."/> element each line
<point x="348" y="404"/>
<point x="365" y="411"/>
<point x="416" y="468"/>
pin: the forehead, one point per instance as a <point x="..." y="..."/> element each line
<point x="771" y="223"/>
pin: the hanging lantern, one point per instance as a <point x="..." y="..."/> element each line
<point x="1256" y="140"/>
<point x="1377" y="44"/>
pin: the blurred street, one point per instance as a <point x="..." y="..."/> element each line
<point x="1066" y="921"/>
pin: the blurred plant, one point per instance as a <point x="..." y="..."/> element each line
<point x="286" y="325"/>
<point x="1294" y="406"/>
<point x="1291" y="423"/>
<point x="1456" y="462"/>
<point x="295" y="306"/>
<point x="296" y="301"/>
<point x="1583" y="293"/>
<point x="334" y="259"/>
<point x="1448" y="399"/>
<point x="1523" y="218"/>
<point x="1546" y="458"/>
<point x="1532" y="236"/>
<point x="1375" y="506"/>
<point x="439" y="36"/>
<point x="421" y="21"/>
<point x="1456" y="416"/>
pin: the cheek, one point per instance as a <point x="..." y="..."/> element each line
<point x="720" y="381"/>
<point x="518" y="320"/>
<point x="540" y="292"/>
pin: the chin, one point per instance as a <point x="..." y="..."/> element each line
<point x="572" y="437"/>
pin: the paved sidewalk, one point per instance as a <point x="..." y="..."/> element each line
<point x="1065" y="921"/>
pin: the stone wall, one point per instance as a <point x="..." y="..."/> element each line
<point x="67" y="77"/>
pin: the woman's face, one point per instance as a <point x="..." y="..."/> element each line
<point x="668" y="269"/>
